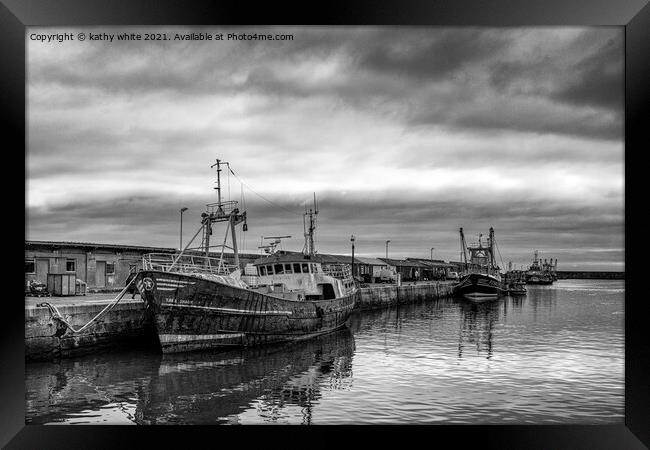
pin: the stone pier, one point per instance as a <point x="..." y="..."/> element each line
<point x="127" y="324"/>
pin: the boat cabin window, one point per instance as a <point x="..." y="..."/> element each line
<point x="262" y="270"/>
<point x="296" y="267"/>
<point x="278" y="269"/>
<point x="305" y="268"/>
<point x="328" y="291"/>
<point x="269" y="270"/>
<point x="287" y="268"/>
<point x="313" y="268"/>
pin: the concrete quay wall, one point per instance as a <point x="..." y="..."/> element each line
<point x="390" y="295"/>
<point x="127" y="323"/>
<point x="124" y="324"/>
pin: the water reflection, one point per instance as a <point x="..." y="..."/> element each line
<point x="192" y="388"/>
<point x="543" y="301"/>
<point x="215" y="388"/>
<point x="477" y="325"/>
<point x="555" y="355"/>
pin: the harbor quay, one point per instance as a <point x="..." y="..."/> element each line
<point x="127" y="324"/>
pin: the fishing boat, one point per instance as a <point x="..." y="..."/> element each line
<point x="538" y="272"/>
<point x="515" y="281"/>
<point x="202" y="302"/>
<point x="481" y="278"/>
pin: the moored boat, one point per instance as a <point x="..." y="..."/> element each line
<point x="201" y="302"/>
<point x="540" y="273"/>
<point x="481" y="278"/>
<point x="515" y="280"/>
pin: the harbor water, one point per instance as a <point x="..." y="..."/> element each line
<point x="555" y="356"/>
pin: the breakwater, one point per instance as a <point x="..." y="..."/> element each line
<point x="127" y="323"/>
<point x="575" y="275"/>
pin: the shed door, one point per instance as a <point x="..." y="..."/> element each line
<point x="100" y="274"/>
<point x="42" y="269"/>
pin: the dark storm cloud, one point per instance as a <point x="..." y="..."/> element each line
<point x="598" y="79"/>
<point x="594" y="78"/>
<point x="385" y="69"/>
<point x="431" y="59"/>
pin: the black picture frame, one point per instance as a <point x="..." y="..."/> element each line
<point x="633" y="15"/>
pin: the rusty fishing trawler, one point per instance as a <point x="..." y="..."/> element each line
<point x="481" y="278"/>
<point x="202" y="302"/>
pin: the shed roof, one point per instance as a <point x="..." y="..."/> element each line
<point x="404" y="262"/>
<point x="55" y="245"/>
<point x="371" y="261"/>
<point x="434" y="263"/>
<point x="94" y="245"/>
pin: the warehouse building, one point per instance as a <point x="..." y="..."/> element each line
<point x="100" y="266"/>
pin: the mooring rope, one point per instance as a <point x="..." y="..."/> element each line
<point x="56" y="315"/>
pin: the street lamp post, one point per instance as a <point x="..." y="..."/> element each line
<point x="182" y="210"/>
<point x="352" y="240"/>
<point x="432" y="270"/>
<point x="387" y="249"/>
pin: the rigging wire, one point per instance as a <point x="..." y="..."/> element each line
<point x="257" y="193"/>
<point x="242" y="235"/>
<point x="499" y="252"/>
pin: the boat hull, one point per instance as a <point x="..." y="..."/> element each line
<point x="479" y="287"/>
<point x="192" y="313"/>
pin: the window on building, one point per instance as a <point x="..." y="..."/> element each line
<point x="71" y="265"/>
<point x="296" y="267"/>
<point x="30" y="267"/>
<point x="110" y="268"/>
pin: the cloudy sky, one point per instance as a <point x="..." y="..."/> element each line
<point x="404" y="133"/>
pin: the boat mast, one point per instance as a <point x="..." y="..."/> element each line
<point x="309" y="249"/>
<point x="491" y="243"/>
<point x="222" y="212"/>
<point x="463" y="253"/>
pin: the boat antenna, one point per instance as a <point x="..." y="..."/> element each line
<point x="309" y="248"/>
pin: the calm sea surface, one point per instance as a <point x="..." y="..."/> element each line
<point x="554" y="356"/>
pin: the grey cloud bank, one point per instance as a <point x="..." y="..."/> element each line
<point x="404" y="133"/>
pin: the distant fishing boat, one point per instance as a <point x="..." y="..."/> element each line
<point x="481" y="278"/>
<point x="538" y="272"/>
<point x="201" y="302"/>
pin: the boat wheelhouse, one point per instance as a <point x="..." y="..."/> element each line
<point x="298" y="276"/>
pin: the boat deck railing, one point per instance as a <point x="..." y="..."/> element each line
<point x="165" y="262"/>
<point x="222" y="209"/>
<point x="341" y="271"/>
